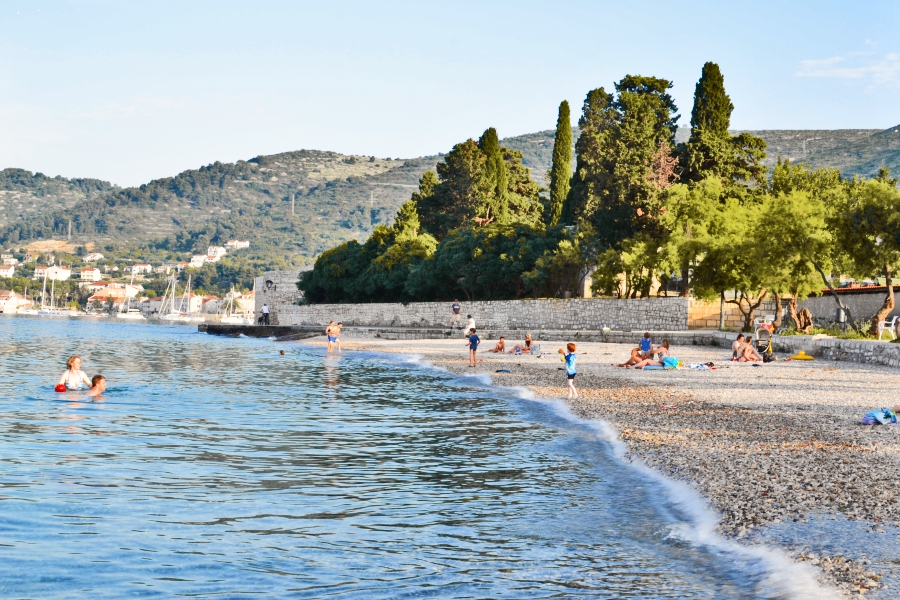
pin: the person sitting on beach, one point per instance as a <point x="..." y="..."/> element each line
<point x="98" y="386"/>
<point x="500" y="347"/>
<point x="737" y="347"/>
<point x="470" y="326"/>
<point x="524" y="348"/>
<point x="749" y="353"/>
<point x="636" y="357"/>
<point x="647" y="345"/>
<point x="656" y="356"/>
<point x="73" y="377"/>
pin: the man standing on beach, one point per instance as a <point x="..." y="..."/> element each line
<point x="455" y="309"/>
<point x="265" y="314"/>
<point x="329" y="333"/>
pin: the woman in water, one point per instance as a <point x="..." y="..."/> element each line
<point x="73" y="377"/>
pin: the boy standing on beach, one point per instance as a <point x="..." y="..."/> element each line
<point x="569" y="357"/>
<point x="473" y="346"/>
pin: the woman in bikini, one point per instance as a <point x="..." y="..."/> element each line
<point x="525" y="348"/>
<point x="73" y="377"/>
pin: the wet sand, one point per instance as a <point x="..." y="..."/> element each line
<point x="764" y="444"/>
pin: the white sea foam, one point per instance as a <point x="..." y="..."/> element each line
<point x="781" y="576"/>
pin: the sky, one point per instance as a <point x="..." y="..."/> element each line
<point x="132" y="91"/>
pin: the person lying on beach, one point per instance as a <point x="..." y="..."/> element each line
<point x="737" y="347"/>
<point x="500" y="347"/>
<point x="98" y="386"/>
<point x="73" y="377"/>
<point x="524" y="348"/>
<point x="749" y="353"/>
<point x="656" y="357"/>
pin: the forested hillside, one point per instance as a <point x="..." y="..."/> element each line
<point x="336" y="197"/>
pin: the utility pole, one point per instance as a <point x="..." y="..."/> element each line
<point x="70" y="230"/>
<point x="292" y="204"/>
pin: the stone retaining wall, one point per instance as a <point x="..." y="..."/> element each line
<point x="862" y="305"/>
<point x="669" y="314"/>
<point x="279" y="290"/>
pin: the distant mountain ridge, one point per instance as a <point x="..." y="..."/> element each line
<point x="335" y="197"/>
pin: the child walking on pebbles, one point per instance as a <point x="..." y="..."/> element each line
<point x="570" y="369"/>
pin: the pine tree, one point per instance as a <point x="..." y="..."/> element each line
<point x="561" y="170"/>
<point x="495" y="175"/>
<point x="712" y="106"/>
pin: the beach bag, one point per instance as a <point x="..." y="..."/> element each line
<point x="670" y="362"/>
<point x="882" y="416"/>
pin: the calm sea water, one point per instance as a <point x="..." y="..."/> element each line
<point x="216" y="467"/>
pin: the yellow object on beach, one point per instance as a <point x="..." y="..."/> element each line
<point x="802" y="356"/>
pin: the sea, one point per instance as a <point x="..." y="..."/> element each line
<point x="215" y="467"/>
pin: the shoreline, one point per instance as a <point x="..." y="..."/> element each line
<point x="763" y="445"/>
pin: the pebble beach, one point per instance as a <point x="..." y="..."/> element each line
<point x="766" y="445"/>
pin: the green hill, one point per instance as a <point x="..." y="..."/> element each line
<point x="335" y="197"/>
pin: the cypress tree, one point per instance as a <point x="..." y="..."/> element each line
<point x="495" y="174"/>
<point x="561" y="170"/>
<point x="712" y="106"/>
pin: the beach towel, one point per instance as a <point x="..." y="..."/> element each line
<point x="670" y="362"/>
<point x="882" y="416"/>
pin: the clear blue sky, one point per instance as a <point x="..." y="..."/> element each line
<point x="129" y="91"/>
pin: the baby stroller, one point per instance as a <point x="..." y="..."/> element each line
<point x="764" y="344"/>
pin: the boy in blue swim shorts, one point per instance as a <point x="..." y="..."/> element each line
<point x="569" y="358"/>
<point x="473" y="346"/>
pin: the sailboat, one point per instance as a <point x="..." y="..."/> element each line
<point x="128" y="312"/>
<point x="168" y="310"/>
<point x="30" y="310"/>
<point x="51" y="310"/>
<point x="229" y="318"/>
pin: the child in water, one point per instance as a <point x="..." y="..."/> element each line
<point x="570" y="369"/>
<point x="73" y="377"/>
<point x="98" y="386"/>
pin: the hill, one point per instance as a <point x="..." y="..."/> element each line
<point x="335" y="197"/>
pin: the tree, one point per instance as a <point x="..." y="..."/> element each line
<point x="561" y="169"/>
<point x="620" y="151"/>
<point x="711" y="150"/>
<point x="469" y="189"/>
<point x="495" y="177"/>
<point x="866" y="222"/>
<point x="712" y="106"/>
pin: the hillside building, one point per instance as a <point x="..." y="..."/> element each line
<point x="198" y="260"/>
<point x="92" y="257"/>
<point x="91" y="274"/>
<point x="9" y="302"/>
<point x="53" y="273"/>
<point x="216" y="251"/>
<point x="237" y="244"/>
<point x="141" y="269"/>
<point x="7" y="271"/>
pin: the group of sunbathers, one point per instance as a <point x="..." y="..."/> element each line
<point x="742" y="350"/>
<point x="524" y="348"/>
<point x="646" y="354"/>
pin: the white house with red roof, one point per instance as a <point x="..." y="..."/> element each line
<point x="53" y="273"/>
<point x="9" y="303"/>
<point x="91" y="274"/>
<point x="198" y="260"/>
<point x="141" y="269"/>
<point x="7" y="271"/>
<point x="216" y="251"/>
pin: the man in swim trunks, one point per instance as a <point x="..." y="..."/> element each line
<point x="455" y="315"/>
<point x="736" y="347"/>
<point x="329" y="333"/>
<point x="336" y="333"/>
<point x="98" y="386"/>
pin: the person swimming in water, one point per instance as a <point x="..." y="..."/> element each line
<point x="98" y="386"/>
<point x="73" y="377"/>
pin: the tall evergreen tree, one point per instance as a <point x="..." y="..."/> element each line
<point x="712" y="106"/>
<point x="561" y="170"/>
<point x="495" y="176"/>
<point x="711" y="150"/>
